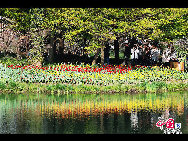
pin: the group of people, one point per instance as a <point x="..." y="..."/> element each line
<point x="145" y="55"/>
<point x="152" y="55"/>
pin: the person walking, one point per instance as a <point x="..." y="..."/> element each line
<point x="144" y="54"/>
<point x="166" y="56"/>
<point x="127" y="53"/>
<point x="140" y="55"/>
<point x="107" y="54"/>
<point x="148" y="56"/>
<point x="155" y="52"/>
<point x="173" y="54"/>
<point x="134" y="55"/>
<point x="158" y="55"/>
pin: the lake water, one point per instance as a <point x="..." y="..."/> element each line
<point x="91" y="113"/>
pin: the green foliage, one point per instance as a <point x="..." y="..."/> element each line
<point x="2" y="85"/>
<point x="92" y="27"/>
<point x="13" y="84"/>
<point x="8" y="60"/>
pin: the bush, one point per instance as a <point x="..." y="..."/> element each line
<point x="2" y="85"/>
<point x="13" y="84"/>
<point x="8" y="60"/>
<point x="59" y="86"/>
<point x="50" y="87"/>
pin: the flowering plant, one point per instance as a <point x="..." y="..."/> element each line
<point x="76" y="74"/>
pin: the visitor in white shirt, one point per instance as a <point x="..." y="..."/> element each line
<point x="173" y="55"/>
<point x="134" y="55"/>
<point x="166" y="56"/>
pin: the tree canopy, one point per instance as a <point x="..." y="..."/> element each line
<point x="95" y="26"/>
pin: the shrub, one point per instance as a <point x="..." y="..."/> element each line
<point x="13" y="84"/>
<point x="2" y="85"/>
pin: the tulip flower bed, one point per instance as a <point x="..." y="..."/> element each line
<point x="106" y="76"/>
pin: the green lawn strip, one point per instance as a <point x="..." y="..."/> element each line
<point x="53" y="88"/>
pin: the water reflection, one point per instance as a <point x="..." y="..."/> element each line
<point x="79" y="113"/>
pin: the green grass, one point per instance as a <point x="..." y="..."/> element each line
<point x="152" y="87"/>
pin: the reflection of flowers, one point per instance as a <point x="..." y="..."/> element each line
<point x="94" y="107"/>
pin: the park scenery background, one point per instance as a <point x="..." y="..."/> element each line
<point x="91" y="49"/>
<point x="105" y="70"/>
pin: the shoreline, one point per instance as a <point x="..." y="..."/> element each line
<point x="60" y="89"/>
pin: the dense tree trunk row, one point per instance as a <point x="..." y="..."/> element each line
<point x="103" y="51"/>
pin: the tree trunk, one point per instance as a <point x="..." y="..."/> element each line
<point x="116" y="49"/>
<point x="17" y="52"/>
<point x="51" y="50"/>
<point x="102" y="56"/>
<point x="4" y="52"/>
<point x="95" y="57"/>
<point x="127" y="54"/>
<point x="61" y="46"/>
<point x="106" y="53"/>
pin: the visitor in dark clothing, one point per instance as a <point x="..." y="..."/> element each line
<point x="127" y="53"/>
<point x="140" y="55"/>
<point x="147" y="56"/>
<point x="107" y="54"/>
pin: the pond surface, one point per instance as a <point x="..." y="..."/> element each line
<point x="91" y="113"/>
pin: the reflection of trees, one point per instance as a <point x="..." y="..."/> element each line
<point x="186" y="119"/>
<point x="20" y="118"/>
<point x="115" y="123"/>
<point x="112" y="114"/>
<point x="144" y="122"/>
<point x="127" y="122"/>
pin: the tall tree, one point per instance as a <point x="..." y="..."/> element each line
<point x="96" y="26"/>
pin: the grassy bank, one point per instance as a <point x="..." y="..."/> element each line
<point x="59" y="88"/>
